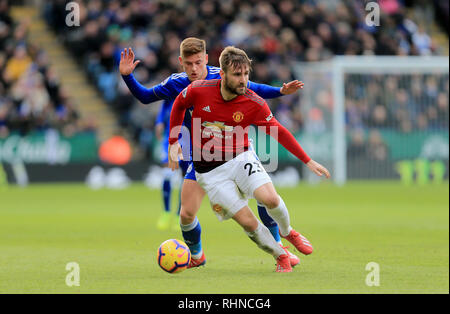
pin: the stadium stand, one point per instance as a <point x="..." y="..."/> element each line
<point x="276" y="34"/>
<point x="32" y="96"/>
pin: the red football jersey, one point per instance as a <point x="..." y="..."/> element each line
<point x="220" y="128"/>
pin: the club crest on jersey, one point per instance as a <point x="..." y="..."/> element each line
<point x="184" y="92"/>
<point x="217" y="208"/>
<point x="238" y="116"/>
<point x="269" y="117"/>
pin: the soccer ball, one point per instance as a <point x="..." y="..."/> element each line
<point x="173" y="256"/>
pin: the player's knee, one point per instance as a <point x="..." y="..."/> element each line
<point x="186" y="216"/>
<point x="271" y="201"/>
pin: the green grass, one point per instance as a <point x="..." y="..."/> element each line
<point x="112" y="236"/>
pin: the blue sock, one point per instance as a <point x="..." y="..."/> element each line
<point x="167" y="188"/>
<point x="269" y="222"/>
<point x="191" y="235"/>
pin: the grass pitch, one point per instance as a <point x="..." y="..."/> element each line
<point x="112" y="237"/>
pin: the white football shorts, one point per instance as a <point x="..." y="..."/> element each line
<point x="230" y="185"/>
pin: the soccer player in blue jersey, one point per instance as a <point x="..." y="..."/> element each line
<point x="193" y="59"/>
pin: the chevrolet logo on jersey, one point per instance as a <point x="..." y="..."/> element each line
<point x="217" y="126"/>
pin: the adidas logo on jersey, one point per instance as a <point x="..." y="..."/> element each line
<point x="206" y="109"/>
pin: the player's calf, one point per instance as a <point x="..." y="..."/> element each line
<point x="264" y="240"/>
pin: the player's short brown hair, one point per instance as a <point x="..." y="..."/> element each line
<point x="232" y="57"/>
<point x="191" y="46"/>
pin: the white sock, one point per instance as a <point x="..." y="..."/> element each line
<point x="281" y="215"/>
<point x="265" y="241"/>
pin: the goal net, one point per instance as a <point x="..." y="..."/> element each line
<point x="381" y="117"/>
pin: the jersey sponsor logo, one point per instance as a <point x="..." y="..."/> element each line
<point x="269" y="117"/>
<point x="238" y="116"/>
<point x="207" y="109"/>
<point x="217" y="126"/>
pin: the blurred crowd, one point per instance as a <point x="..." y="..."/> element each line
<point x="275" y="34"/>
<point x="399" y="102"/>
<point x="403" y="103"/>
<point x="31" y="95"/>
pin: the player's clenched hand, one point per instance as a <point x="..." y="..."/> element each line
<point x="127" y="63"/>
<point x="175" y="154"/>
<point x="318" y="169"/>
<point x="291" y="87"/>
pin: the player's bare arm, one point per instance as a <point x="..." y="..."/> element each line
<point x="127" y="63"/>
<point x="291" y="87"/>
<point x="288" y="141"/>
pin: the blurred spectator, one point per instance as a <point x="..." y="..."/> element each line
<point x="376" y="147"/>
<point x="404" y="102"/>
<point x="422" y="41"/>
<point x="357" y="146"/>
<point x="17" y="64"/>
<point x="275" y="34"/>
<point x="31" y="96"/>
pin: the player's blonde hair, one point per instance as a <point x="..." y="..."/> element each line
<point x="191" y="46"/>
<point x="232" y="57"/>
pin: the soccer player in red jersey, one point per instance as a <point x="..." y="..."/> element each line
<point x="225" y="167"/>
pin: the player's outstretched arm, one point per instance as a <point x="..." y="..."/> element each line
<point x="268" y="92"/>
<point x="282" y="135"/>
<point x="289" y="142"/>
<point x="143" y="94"/>
<point x="291" y="87"/>
<point x="127" y="63"/>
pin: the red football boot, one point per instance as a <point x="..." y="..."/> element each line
<point x="292" y="257"/>
<point x="300" y="242"/>
<point x="197" y="262"/>
<point x="283" y="264"/>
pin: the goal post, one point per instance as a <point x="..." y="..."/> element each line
<point x="396" y="98"/>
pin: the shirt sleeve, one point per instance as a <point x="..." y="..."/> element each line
<point x="179" y="107"/>
<point x="265" y="91"/>
<point x="144" y="94"/>
<point x="266" y="119"/>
